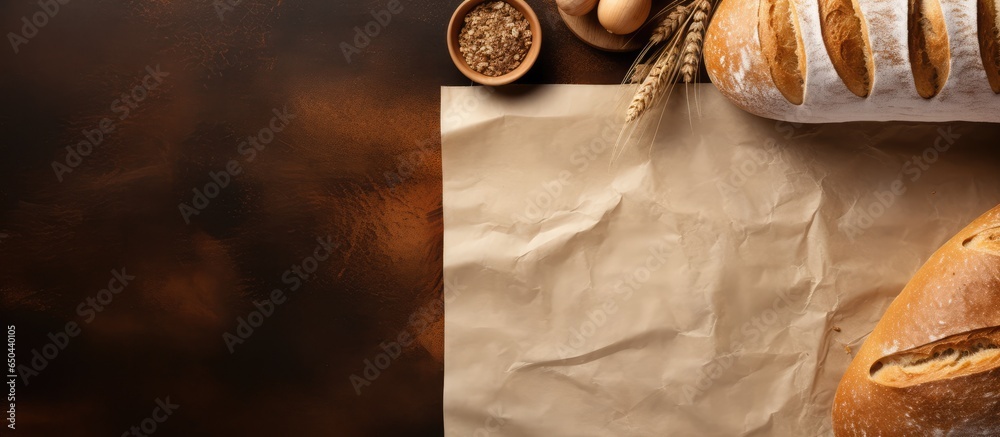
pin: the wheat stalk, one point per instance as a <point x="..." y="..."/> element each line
<point x="693" y="40"/>
<point x="653" y="85"/>
<point x="639" y="72"/>
<point x="669" y="25"/>
<point x="676" y="47"/>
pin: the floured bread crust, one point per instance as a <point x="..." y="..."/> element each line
<point x="930" y="56"/>
<point x="781" y="46"/>
<point x="989" y="40"/>
<point x="846" y="40"/>
<point x="931" y="366"/>
<point x="959" y="88"/>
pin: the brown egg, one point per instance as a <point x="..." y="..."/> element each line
<point x="576" y="7"/>
<point x="623" y="16"/>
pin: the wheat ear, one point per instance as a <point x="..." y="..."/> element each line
<point x="653" y="85"/>
<point x="639" y="72"/>
<point x="693" y="40"/>
<point x="669" y="25"/>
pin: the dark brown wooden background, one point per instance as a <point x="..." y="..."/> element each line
<point x="360" y="162"/>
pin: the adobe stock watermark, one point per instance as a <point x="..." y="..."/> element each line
<point x="419" y="322"/>
<point x="161" y="412"/>
<point x="88" y="309"/>
<point x="493" y="423"/>
<point x="38" y="20"/>
<point x="539" y="202"/>
<point x="466" y="104"/>
<point x="122" y="107"/>
<point x="294" y="278"/>
<point x="866" y="214"/>
<point x="621" y="291"/>
<point x="11" y="377"/>
<point x="220" y="179"/>
<point x="223" y="6"/>
<point x="363" y="35"/>
<point x="409" y="162"/>
<point x="758" y="160"/>
<point x="751" y="331"/>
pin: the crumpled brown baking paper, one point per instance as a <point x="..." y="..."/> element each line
<point x="713" y="282"/>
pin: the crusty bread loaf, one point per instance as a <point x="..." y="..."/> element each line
<point x="916" y="60"/>
<point x="931" y="366"/>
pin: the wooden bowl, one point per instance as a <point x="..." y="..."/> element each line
<point x="588" y="29"/>
<point x="455" y="27"/>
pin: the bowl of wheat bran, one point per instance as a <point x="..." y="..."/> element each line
<point x="494" y="42"/>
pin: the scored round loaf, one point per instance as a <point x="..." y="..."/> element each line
<point x="931" y="366"/>
<point x="877" y="60"/>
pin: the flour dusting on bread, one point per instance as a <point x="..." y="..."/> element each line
<point x="948" y="80"/>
